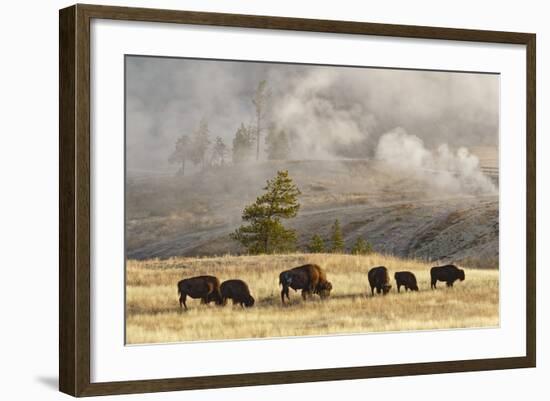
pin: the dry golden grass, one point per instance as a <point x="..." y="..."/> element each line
<point x="153" y="312"/>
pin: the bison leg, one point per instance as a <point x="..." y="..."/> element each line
<point x="183" y="297"/>
<point x="399" y="288"/>
<point x="305" y="294"/>
<point x="434" y="284"/>
<point x="218" y="297"/>
<point x="284" y="292"/>
<point x="449" y="283"/>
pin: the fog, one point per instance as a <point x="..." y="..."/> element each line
<point x="411" y="119"/>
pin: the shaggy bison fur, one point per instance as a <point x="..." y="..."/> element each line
<point x="236" y="290"/>
<point x="407" y="280"/>
<point x="207" y="288"/>
<point x="379" y="279"/>
<point x="310" y="278"/>
<point x="447" y="273"/>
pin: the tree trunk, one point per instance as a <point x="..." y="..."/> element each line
<point x="258" y="136"/>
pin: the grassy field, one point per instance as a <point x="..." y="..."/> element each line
<point x="153" y="314"/>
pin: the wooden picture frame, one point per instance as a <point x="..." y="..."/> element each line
<point x="74" y="199"/>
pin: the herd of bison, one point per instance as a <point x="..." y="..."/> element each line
<point x="311" y="279"/>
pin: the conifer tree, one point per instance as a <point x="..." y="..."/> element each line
<point x="243" y="144"/>
<point x="181" y="153"/>
<point x="263" y="231"/>
<point x="200" y="142"/>
<point x="316" y="245"/>
<point x="219" y="151"/>
<point x="277" y="144"/>
<point x="337" y="239"/>
<point x="361" y="247"/>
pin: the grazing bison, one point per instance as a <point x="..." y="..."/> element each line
<point x="447" y="273"/>
<point x="406" y="279"/>
<point x="238" y="291"/>
<point x="311" y="279"/>
<point x="207" y="288"/>
<point x="379" y="279"/>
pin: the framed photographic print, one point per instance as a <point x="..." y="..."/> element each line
<point x="280" y="200"/>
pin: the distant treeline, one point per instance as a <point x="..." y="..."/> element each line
<point x="198" y="148"/>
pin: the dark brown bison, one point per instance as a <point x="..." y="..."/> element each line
<point x="406" y="279"/>
<point x="379" y="279"/>
<point x="311" y="279"/>
<point x="236" y="290"/>
<point x="447" y="273"/>
<point x="207" y="288"/>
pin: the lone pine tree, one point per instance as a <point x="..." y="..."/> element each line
<point x="263" y="231"/>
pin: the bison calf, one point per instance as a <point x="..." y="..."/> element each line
<point x="311" y="279"/>
<point x="406" y="279"/>
<point x="207" y="288"/>
<point x="447" y="273"/>
<point x="236" y="290"/>
<point x="379" y="279"/>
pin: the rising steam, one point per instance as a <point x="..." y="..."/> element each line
<point x="328" y="112"/>
<point x="456" y="172"/>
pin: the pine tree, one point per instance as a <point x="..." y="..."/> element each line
<point x="243" y="144"/>
<point x="278" y="145"/>
<point x="263" y="231"/>
<point x="200" y="142"/>
<point x="337" y="239"/>
<point x="219" y="151"/>
<point x="361" y="247"/>
<point x="317" y="245"/>
<point x="180" y="153"/>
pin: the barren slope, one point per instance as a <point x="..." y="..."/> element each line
<point x="402" y="215"/>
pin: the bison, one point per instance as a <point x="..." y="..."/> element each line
<point x="236" y="290"/>
<point x="406" y="279"/>
<point x="207" y="288"/>
<point x="447" y="273"/>
<point x="379" y="279"/>
<point x="310" y="278"/>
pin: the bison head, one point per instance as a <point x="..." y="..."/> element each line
<point x="249" y="301"/>
<point x="324" y="289"/>
<point x="386" y="288"/>
<point x="461" y="275"/>
<point x="414" y="287"/>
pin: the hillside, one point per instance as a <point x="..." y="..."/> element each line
<point x="408" y="215"/>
